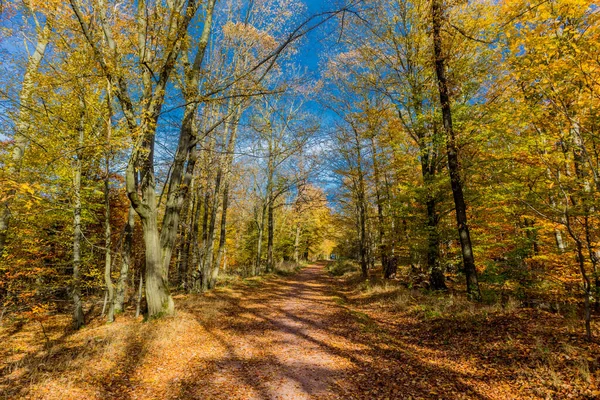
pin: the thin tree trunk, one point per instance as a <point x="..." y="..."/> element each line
<point x="270" y="234"/>
<point x="586" y="284"/>
<point x="78" y="319"/>
<point x="453" y="156"/>
<point x="270" y="200"/>
<point x="107" y="244"/>
<point x="436" y="277"/>
<point x="110" y="291"/>
<point x="138" y="303"/>
<point x="210" y="244"/>
<point x="125" y="261"/>
<point x="229" y="137"/>
<point x="186" y="230"/>
<point x="194" y="247"/>
<point x="202" y="250"/>
<point x="261" y="229"/>
<point x="222" y="237"/>
<point x="297" y="243"/>
<point x="361" y="208"/>
<point x="383" y="250"/>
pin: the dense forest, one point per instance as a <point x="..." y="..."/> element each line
<point x="156" y="154"/>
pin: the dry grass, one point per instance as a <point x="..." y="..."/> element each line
<point x="286" y="268"/>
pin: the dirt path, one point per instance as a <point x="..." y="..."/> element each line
<point x="268" y="338"/>
<point x="305" y="336"/>
<point x="281" y="342"/>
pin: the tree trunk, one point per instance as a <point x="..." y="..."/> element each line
<point x="110" y="290"/>
<point x="586" y="287"/>
<point x="453" y="156"/>
<point x="186" y="148"/>
<point x="361" y="208"/>
<point x="185" y="231"/>
<point x="78" y="319"/>
<point x="222" y="238"/>
<point x="437" y="279"/>
<point x="107" y="244"/>
<point x="230" y="137"/>
<point x="125" y="261"/>
<point x="297" y="244"/>
<point x="383" y="250"/>
<point x="158" y="295"/>
<point x="261" y="229"/>
<point x="193" y="250"/>
<point x="210" y="244"/>
<point x="138" y="303"/>
<point x="270" y="234"/>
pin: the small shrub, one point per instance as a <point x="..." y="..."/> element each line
<point x="286" y="268"/>
<point x="342" y="267"/>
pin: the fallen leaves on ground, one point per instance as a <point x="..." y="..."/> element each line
<point x="304" y="336"/>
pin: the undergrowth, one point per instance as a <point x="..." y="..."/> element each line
<point x="543" y="350"/>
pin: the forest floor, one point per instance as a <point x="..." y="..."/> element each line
<point x="305" y="336"/>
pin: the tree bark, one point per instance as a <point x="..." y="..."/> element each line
<point x="110" y="290"/>
<point x="297" y="244"/>
<point x="383" y="249"/>
<point x="210" y="243"/>
<point x="222" y="238"/>
<point x="107" y="245"/>
<point x="225" y="198"/>
<point x="78" y="318"/>
<point x="138" y="303"/>
<point x="270" y="234"/>
<point x="193" y="250"/>
<point x="261" y="228"/>
<point x="361" y="208"/>
<point x="453" y="156"/>
<point x="179" y="182"/>
<point x="437" y="279"/>
<point x="125" y="261"/>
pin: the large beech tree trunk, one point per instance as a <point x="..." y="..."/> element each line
<point x="453" y="157"/>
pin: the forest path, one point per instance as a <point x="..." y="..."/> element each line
<point x="284" y="338"/>
<point x="303" y="336"/>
